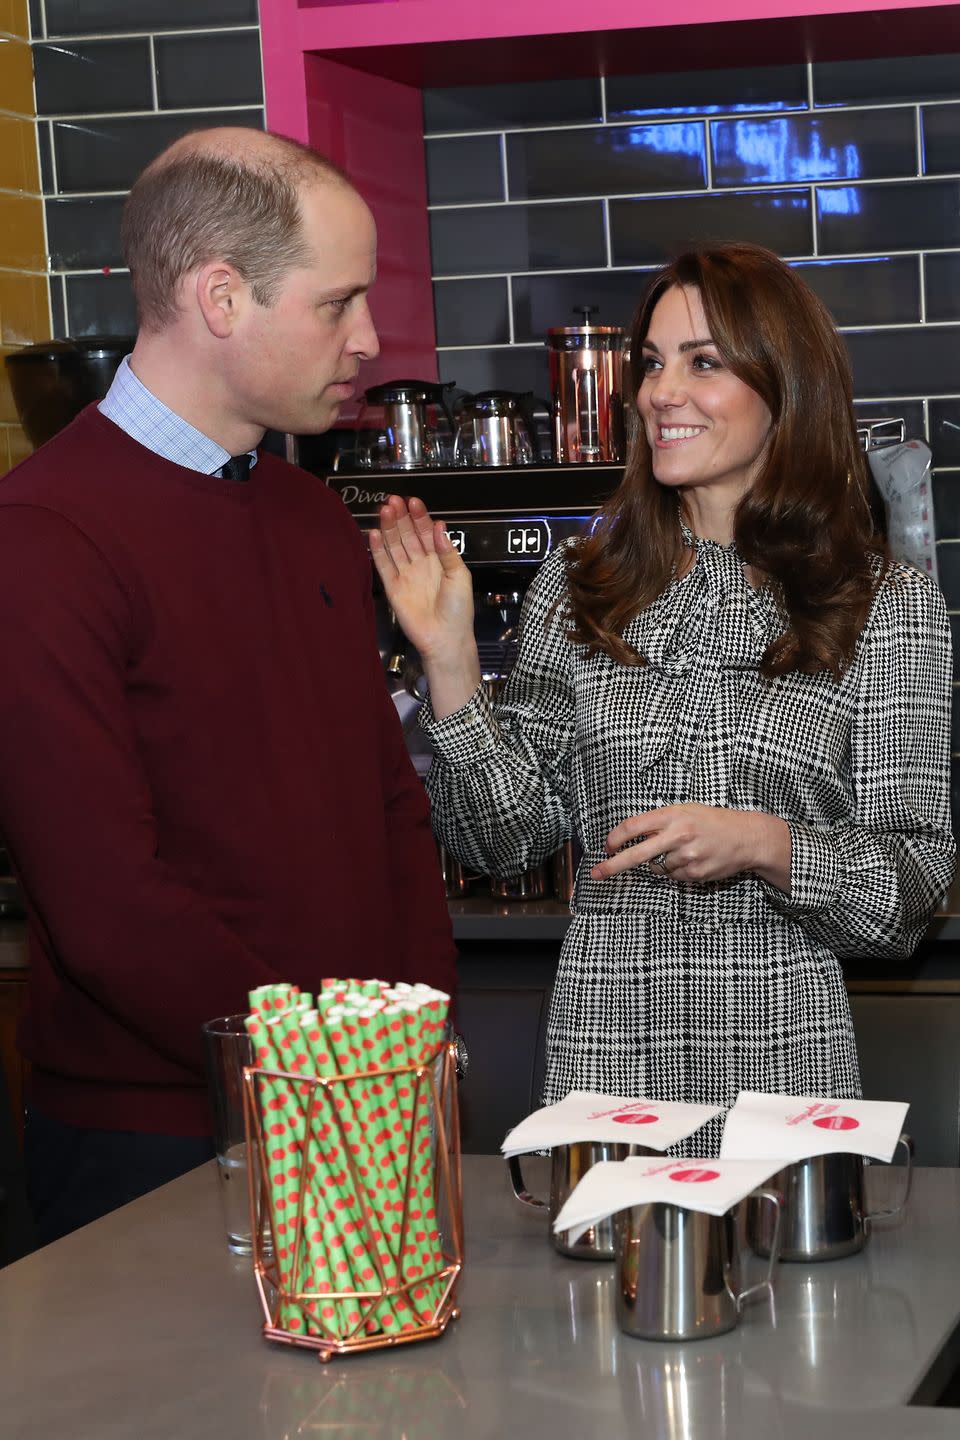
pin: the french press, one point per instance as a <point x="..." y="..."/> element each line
<point x="405" y="425"/>
<point x="586" y="389"/>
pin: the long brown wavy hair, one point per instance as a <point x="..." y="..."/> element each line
<point x="805" y="527"/>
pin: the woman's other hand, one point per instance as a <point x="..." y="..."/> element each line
<point x="700" y="843"/>
<point x="430" y="591"/>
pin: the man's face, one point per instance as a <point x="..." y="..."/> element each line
<point x="296" y="361"/>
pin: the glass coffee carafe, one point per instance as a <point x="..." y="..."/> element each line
<point x="405" y="425"/>
<point x="494" y="427"/>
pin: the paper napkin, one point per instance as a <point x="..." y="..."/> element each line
<point x="712" y="1186"/>
<point x="794" y="1127"/>
<point x="584" y="1115"/>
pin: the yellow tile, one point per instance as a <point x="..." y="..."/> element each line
<point x="22" y="243"/>
<point x="8" y="410"/>
<point x="24" y="308"/>
<point x="16" y="76"/>
<point x="19" y="169"/>
<point x="14" y="18"/>
<point x="20" y="446"/>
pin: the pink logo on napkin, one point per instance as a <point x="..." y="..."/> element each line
<point x="837" y="1122"/>
<point x="696" y="1175"/>
<point x="635" y="1117"/>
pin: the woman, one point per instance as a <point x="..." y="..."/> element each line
<point x="727" y="691"/>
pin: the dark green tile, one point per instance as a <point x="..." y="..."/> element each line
<point x="503" y="107"/>
<point x="471" y="312"/>
<point x="220" y="68"/>
<point x="465" y="168"/>
<point x="915" y="215"/>
<point x="92" y="17"/>
<point x="707" y="92"/>
<point x="110" y="154"/>
<point x="503" y="238"/>
<point x="798" y="149"/>
<point x="652" y="231"/>
<point x="78" y="77"/>
<point x="606" y="160"/>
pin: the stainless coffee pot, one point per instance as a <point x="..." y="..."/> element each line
<point x="678" y="1271"/>
<point x="586" y="389"/>
<point x="493" y="428"/>
<point x="568" y="1165"/>
<point x="405" y="425"/>
<point x="824" y="1211"/>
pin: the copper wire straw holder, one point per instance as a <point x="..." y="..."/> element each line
<point x="436" y="1080"/>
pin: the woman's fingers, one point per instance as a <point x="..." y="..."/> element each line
<point x="423" y="523"/>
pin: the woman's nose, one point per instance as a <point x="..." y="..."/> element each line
<point x="666" y="388"/>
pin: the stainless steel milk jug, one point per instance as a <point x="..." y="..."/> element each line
<point x="568" y="1165"/>
<point x="678" y="1271"/>
<point x="586" y="390"/>
<point x="824" y="1211"/>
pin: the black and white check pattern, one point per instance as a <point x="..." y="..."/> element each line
<point x="693" y="992"/>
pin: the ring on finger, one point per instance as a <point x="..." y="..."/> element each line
<point x="661" y="860"/>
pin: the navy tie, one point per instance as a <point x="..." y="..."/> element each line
<point x="237" y="468"/>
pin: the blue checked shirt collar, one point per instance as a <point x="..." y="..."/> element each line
<point x="129" y="404"/>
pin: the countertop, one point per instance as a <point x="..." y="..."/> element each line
<point x="143" y="1326"/>
<point x="478" y="916"/>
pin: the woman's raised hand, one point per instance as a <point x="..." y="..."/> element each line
<point x="431" y="593"/>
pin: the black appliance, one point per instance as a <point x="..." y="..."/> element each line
<point x="504" y="521"/>
<point x="53" y="381"/>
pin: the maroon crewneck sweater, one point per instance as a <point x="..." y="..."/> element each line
<point x="203" y="781"/>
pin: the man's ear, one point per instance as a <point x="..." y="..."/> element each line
<point x="221" y="294"/>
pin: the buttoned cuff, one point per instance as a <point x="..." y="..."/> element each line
<point x="466" y="735"/>
<point x="815" y="873"/>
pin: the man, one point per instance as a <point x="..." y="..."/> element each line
<point x="203" y="783"/>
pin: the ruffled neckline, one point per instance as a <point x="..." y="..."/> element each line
<point x="712" y="609"/>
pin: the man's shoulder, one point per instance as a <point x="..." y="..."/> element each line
<point x="310" y="491"/>
<point x="50" y="476"/>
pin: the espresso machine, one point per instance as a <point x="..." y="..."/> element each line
<point x="510" y="484"/>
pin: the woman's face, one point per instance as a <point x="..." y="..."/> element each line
<point x="705" y="427"/>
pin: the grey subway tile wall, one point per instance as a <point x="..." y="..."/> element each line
<point x="84" y="234"/>
<point x="882" y="82"/>
<point x="649" y="231"/>
<point x="941" y="139"/>
<point x="468" y="168"/>
<point x="217" y="68"/>
<point x="86" y="77"/>
<point x="705" y="92"/>
<point x="109" y="154"/>
<point x="115" y="83"/>
<point x="491" y="107"/>
<point x="98" y="17"/>
<point x="909" y="215"/>
<point x="607" y="160"/>
<point x="849" y="169"/>
<point x="942" y="279"/>
<point x="797" y="149"/>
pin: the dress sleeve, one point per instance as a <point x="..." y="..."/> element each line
<point x="868" y="885"/>
<point x="500" y="781"/>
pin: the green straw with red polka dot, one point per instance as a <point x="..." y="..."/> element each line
<point x="383" y="1120"/>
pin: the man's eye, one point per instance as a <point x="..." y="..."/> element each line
<point x="339" y="305"/>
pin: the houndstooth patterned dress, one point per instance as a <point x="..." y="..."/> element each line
<point x="692" y="992"/>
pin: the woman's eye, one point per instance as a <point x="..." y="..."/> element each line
<point x="705" y="362"/>
<point x="649" y="363"/>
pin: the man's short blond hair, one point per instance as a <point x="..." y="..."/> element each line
<point x="198" y="202"/>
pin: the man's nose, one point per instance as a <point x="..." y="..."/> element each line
<point x="364" y="341"/>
